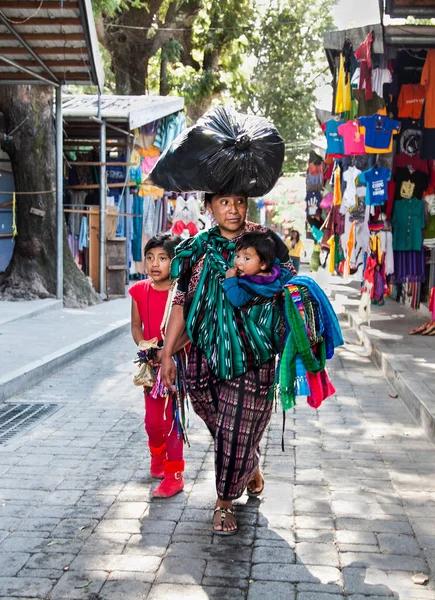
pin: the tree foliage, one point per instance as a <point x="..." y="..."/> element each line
<point x="290" y="63"/>
<point x="193" y="47"/>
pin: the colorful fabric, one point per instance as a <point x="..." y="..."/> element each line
<point x="236" y="412"/>
<point x="241" y="290"/>
<point x="233" y="341"/>
<point x="312" y="334"/>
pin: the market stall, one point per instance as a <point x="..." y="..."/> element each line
<point x="370" y="201"/>
<point x="110" y="145"/>
<point x="50" y="43"/>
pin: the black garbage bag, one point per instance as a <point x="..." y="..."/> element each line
<point x="224" y="152"/>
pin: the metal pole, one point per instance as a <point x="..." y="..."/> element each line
<point x="103" y="209"/>
<point x="59" y="195"/>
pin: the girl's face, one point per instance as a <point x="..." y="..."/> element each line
<point x="230" y="213"/>
<point x="157" y="264"/>
<point x="248" y="262"/>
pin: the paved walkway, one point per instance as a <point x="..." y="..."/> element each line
<point x="348" y="509"/>
<point x="38" y="337"/>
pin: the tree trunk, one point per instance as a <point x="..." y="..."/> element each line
<point x="164" y="87"/>
<point x="130" y="76"/>
<point x="31" y="273"/>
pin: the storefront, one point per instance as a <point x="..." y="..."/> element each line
<point x="110" y="145"/>
<point x="371" y="201"/>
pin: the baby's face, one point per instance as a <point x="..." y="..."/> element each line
<point x="248" y="262"/>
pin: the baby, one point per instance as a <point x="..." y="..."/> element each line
<point x="256" y="270"/>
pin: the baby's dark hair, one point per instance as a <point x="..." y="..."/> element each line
<point x="263" y="245"/>
<point x="167" y="241"/>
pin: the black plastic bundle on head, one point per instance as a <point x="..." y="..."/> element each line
<point x="224" y="152"/>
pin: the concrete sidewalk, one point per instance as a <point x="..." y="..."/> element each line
<point x="407" y="361"/>
<point x="37" y="340"/>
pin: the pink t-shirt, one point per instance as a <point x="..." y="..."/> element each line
<point x="353" y="139"/>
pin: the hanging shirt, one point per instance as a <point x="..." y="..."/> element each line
<point x="379" y="78"/>
<point x="367" y="108"/>
<point x="151" y="305"/>
<point x="410" y="101"/>
<point x="350" y="193"/>
<point x="428" y="80"/>
<point x="409" y="140"/>
<point x="335" y="146"/>
<point x="410" y="183"/>
<point x="408" y="223"/>
<point x="343" y="99"/>
<point x="376" y="180"/>
<point x="352" y="137"/>
<point x="379" y="131"/>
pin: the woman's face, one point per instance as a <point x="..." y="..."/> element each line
<point x="229" y="213"/>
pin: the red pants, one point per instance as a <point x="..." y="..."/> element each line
<point x="160" y="429"/>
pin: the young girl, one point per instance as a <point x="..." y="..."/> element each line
<point x="255" y="271"/>
<point x="148" y="309"/>
<point x="295" y="248"/>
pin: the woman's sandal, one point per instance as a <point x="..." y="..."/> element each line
<point x="252" y="494"/>
<point x="430" y="327"/>
<point x="420" y="328"/>
<point x="224" y="512"/>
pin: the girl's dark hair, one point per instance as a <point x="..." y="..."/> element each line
<point x="167" y="241"/>
<point x="263" y="245"/>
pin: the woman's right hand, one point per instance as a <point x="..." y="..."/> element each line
<point x="168" y="372"/>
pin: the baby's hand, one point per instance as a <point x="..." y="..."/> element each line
<point x="231" y="273"/>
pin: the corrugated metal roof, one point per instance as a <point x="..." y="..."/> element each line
<point x="134" y="110"/>
<point x="60" y="33"/>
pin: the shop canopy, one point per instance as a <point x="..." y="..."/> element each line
<point x="83" y="113"/>
<point x="50" y="42"/>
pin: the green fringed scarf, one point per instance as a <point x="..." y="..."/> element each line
<point x="233" y="340"/>
<point x="298" y="342"/>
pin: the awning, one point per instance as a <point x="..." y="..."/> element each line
<point x="132" y="111"/>
<point x="49" y="42"/>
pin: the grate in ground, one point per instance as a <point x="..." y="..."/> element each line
<point x="15" y="418"/>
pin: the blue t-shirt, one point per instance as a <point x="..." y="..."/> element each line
<point x="379" y="131"/>
<point x="335" y="143"/>
<point x="376" y="180"/>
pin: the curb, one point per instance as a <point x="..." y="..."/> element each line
<point x="35" y="372"/>
<point x="415" y="403"/>
<point x="40" y="310"/>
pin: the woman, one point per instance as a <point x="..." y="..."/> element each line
<point x="295" y="247"/>
<point x="231" y="364"/>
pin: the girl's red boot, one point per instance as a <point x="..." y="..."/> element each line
<point x="173" y="483"/>
<point x="158" y="457"/>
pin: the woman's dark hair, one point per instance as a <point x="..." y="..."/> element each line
<point x="167" y="241"/>
<point x="298" y="235"/>
<point x="263" y="245"/>
<point x="208" y="197"/>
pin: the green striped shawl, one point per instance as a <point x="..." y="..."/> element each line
<point x="233" y="340"/>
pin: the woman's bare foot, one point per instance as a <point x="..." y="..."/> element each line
<point x="256" y="484"/>
<point x="224" y="521"/>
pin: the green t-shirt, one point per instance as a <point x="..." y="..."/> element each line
<point x="408" y="223"/>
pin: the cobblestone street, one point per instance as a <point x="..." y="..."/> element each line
<point x="348" y="509"/>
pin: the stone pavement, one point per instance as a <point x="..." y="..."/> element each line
<point x="348" y="509"/>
